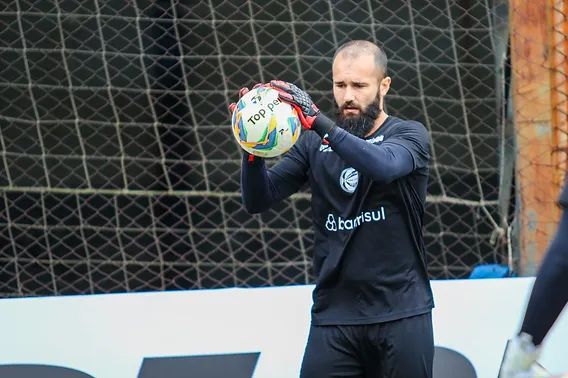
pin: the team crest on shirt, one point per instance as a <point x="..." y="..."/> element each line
<point x="349" y="180"/>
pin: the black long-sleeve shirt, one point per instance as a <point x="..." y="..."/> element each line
<point x="550" y="290"/>
<point x="368" y="198"/>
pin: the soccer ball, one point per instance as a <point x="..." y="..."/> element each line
<point x="263" y="125"/>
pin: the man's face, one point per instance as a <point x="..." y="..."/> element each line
<point x="358" y="90"/>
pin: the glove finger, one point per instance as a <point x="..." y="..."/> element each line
<point x="243" y="91"/>
<point x="257" y="85"/>
<point x="284" y="96"/>
<point x="279" y="84"/>
<point x="232" y="107"/>
<point x="294" y="87"/>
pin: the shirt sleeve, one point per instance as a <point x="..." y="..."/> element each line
<point x="261" y="187"/>
<point x="399" y="155"/>
<point x="563" y="200"/>
<point x="549" y="295"/>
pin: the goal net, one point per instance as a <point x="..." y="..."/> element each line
<point x="118" y="169"/>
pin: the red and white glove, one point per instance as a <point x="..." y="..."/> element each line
<point x="310" y="116"/>
<point x="300" y="100"/>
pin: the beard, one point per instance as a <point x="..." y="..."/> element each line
<point x="360" y="124"/>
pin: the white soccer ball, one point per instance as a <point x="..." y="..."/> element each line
<point x="263" y="125"/>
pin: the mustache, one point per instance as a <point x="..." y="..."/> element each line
<point x="350" y="105"/>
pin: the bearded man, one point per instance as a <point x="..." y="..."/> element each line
<point x="368" y="173"/>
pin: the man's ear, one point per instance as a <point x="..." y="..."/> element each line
<point x="384" y="85"/>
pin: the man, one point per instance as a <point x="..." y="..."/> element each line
<point x="548" y="297"/>
<point x="368" y="173"/>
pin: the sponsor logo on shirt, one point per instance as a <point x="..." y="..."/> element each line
<point x="348" y="180"/>
<point x="326" y="148"/>
<point x="336" y="223"/>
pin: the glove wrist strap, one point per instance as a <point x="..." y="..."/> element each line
<point x="322" y="125"/>
<point x="250" y="158"/>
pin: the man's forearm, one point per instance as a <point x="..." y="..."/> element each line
<point x="549" y="294"/>
<point x="382" y="164"/>
<point x="255" y="188"/>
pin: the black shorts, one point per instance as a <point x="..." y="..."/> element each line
<point x="398" y="349"/>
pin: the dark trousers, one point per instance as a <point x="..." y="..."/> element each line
<point x="398" y="349"/>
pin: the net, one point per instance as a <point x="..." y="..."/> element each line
<point x="118" y="168"/>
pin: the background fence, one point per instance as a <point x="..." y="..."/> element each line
<point x="539" y="49"/>
<point x="119" y="171"/>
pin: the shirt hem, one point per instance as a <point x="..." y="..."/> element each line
<point x="370" y="320"/>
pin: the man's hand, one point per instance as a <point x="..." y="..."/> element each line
<point x="520" y="359"/>
<point x="243" y="91"/>
<point x="300" y="100"/>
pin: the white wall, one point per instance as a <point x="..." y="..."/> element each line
<point x="107" y="336"/>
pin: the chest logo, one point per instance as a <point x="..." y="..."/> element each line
<point x="348" y="180"/>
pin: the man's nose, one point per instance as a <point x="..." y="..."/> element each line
<point x="349" y="95"/>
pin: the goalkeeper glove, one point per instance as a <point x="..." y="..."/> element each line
<point x="300" y="100"/>
<point x="520" y="359"/>
<point x="310" y="116"/>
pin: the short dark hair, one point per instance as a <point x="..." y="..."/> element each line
<point x="356" y="47"/>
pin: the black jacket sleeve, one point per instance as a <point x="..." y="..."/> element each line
<point x="549" y="293"/>
<point x="262" y="187"/>
<point x="399" y="155"/>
